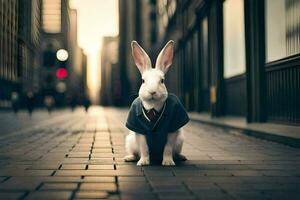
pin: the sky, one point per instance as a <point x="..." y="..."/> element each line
<point x="96" y="19"/>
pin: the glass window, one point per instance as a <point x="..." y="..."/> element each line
<point x="52" y="16"/>
<point x="204" y="53"/>
<point x="282" y="28"/>
<point x="234" y="38"/>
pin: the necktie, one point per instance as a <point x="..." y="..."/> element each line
<point x="151" y="114"/>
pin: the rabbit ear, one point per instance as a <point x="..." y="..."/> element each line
<point x="165" y="57"/>
<point x="140" y="57"/>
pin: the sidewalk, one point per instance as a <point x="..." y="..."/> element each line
<point x="80" y="157"/>
<point x="284" y="134"/>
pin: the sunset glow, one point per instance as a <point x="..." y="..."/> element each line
<point x="96" y="19"/>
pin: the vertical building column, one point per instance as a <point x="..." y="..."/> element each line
<point x="153" y="19"/>
<point x="255" y="60"/>
<point x="215" y="29"/>
<point x="122" y="51"/>
<point x="138" y="22"/>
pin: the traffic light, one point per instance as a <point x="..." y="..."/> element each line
<point x="61" y="73"/>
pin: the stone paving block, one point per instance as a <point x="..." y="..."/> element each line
<point x="282" y="194"/>
<point x="99" y="160"/>
<point x="159" y="173"/>
<point x="201" y="185"/>
<point x="102" y="155"/>
<point x="69" y="179"/>
<point x="13" y="172"/>
<point x="275" y="173"/>
<point x="233" y="186"/>
<point x="15" y="167"/>
<point x="44" y="167"/>
<point x="102" y="162"/>
<point x="51" y="195"/>
<point x="177" y="198"/>
<point x="134" y="196"/>
<point x="91" y="195"/>
<point x="134" y="187"/>
<point x="97" y="173"/>
<point x="221" y="173"/>
<point x="100" y="179"/>
<point x="175" y="195"/>
<point x="156" y="184"/>
<point x="247" y="195"/>
<point x="191" y="173"/>
<point x="212" y="194"/>
<point x="2" y="178"/>
<point x="75" y="160"/>
<point x="276" y="186"/>
<point x="246" y="173"/>
<point x="223" y="166"/>
<point x="100" y="167"/>
<point x="38" y="172"/>
<point x="11" y="195"/>
<point x="132" y="179"/>
<point x="169" y="188"/>
<point x="99" y="187"/>
<point x="75" y="155"/>
<point x="19" y="184"/>
<point x="59" y="186"/>
<point x="129" y="167"/>
<point x="73" y="166"/>
<point x="102" y="150"/>
<point x="271" y="179"/>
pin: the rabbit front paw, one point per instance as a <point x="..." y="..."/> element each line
<point x="168" y="161"/>
<point x="130" y="158"/>
<point x="143" y="162"/>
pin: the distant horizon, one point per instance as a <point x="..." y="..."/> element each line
<point x="92" y="27"/>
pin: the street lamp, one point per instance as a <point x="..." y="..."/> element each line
<point x="62" y="55"/>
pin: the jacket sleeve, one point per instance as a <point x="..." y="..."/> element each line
<point x="132" y="123"/>
<point x="180" y="118"/>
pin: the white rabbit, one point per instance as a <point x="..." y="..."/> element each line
<point x="155" y="117"/>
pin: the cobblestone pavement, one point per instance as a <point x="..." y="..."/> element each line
<point x="79" y="156"/>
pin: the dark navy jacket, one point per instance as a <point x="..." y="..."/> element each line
<point x="172" y="118"/>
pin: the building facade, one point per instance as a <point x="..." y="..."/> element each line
<point x="31" y="34"/>
<point x="83" y="84"/>
<point x="63" y="60"/>
<point x="29" y="29"/>
<point x="9" y="73"/>
<point x="233" y="57"/>
<point x="76" y="59"/>
<point x="110" y="89"/>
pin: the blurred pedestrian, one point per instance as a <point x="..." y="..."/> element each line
<point x="86" y="103"/>
<point x="15" y="101"/>
<point x="49" y="102"/>
<point x="29" y="102"/>
<point x="73" y="103"/>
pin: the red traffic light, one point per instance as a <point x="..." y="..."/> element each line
<point x="61" y="73"/>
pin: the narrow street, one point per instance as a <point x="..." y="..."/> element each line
<point x="80" y="156"/>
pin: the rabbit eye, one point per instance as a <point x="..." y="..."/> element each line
<point x="162" y="80"/>
<point x="143" y="81"/>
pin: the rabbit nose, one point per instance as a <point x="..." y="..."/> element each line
<point x="152" y="93"/>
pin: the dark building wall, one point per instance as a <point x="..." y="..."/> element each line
<point x="20" y="23"/>
<point x="127" y="34"/>
<point x="8" y="51"/>
<point x="29" y="27"/>
<point x="214" y="71"/>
